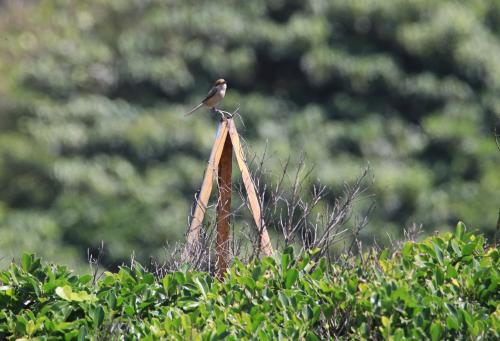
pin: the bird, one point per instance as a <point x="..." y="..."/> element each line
<point x="215" y="95"/>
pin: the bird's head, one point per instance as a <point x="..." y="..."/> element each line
<point x="219" y="82"/>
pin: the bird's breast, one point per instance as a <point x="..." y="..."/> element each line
<point x="215" y="99"/>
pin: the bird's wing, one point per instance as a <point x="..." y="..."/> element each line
<point x="210" y="94"/>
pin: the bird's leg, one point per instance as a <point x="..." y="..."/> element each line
<point x="220" y="112"/>
<point x="224" y="114"/>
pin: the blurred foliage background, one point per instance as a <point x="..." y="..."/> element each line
<point x="94" y="145"/>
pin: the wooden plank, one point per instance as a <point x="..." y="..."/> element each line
<point x="224" y="209"/>
<point x="206" y="188"/>
<point x="265" y="241"/>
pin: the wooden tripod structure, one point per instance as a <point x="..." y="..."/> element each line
<point x="220" y="163"/>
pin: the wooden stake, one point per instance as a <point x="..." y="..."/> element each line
<point x="265" y="241"/>
<point x="224" y="209"/>
<point x="193" y="235"/>
<point x="221" y="157"/>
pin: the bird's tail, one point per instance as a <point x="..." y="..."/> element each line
<point x="194" y="109"/>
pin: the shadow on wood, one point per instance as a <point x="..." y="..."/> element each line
<point x="224" y="208"/>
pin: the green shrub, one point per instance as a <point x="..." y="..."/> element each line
<point x="445" y="287"/>
<point x="93" y="141"/>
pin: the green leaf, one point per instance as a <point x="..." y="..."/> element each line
<point x="352" y="284"/>
<point x="169" y="282"/>
<point x="428" y="250"/>
<point x="451" y="271"/>
<point x="257" y="319"/>
<point x="248" y="282"/>
<point x="320" y="269"/>
<point x="291" y="277"/>
<point x="283" y="299"/>
<point x="148" y="278"/>
<point x="257" y="272"/>
<point x="67" y="294"/>
<point x="26" y="261"/>
<point x="285" y="261"/>
<point x="129" y="310"/>
<point x="468" y="249"/>
<point x="85" y="279"/>
<point x="35" y="284"/>
<point x="7" y="291"/>
<point x="20" y="326"/>
<point x="307" y="312"/>
<point x="386" y="322"/>
<point x="478" y="328"/>
<point x="82" y="334"/>
<point x="439" y="252"/>
<point x="202" y="285"/>
<point x="189" y="305"/>
<point x="314" y="251"/>
<point x="384" y="254"/>
<point x="111" y="299"/>
<point x="452" y="323"/>
<point x="64" y="292"/>
<point x="407" y="250"/>
<point x="98" y="317"/>
<point x="179" y="277"/>
<point x="436" y="331"/>
<point x="456" y="248"/>
<point x="220" y="328"/>
<point x="439" y="276"/>
<point x="460" y="230"/>
<point x="30" y="327"/>
<point x="401" y="293"/>
<point x="312" y="337"/>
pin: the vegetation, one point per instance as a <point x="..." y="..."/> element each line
<point x="94" y="149"/>
<point x="445" y="287"/>
<point x="93" y="144"/>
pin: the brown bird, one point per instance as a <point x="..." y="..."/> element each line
<point x="215" y="95"/>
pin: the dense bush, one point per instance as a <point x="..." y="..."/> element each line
<point x="93" y="145"/>
<point x="445" y="287"/>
